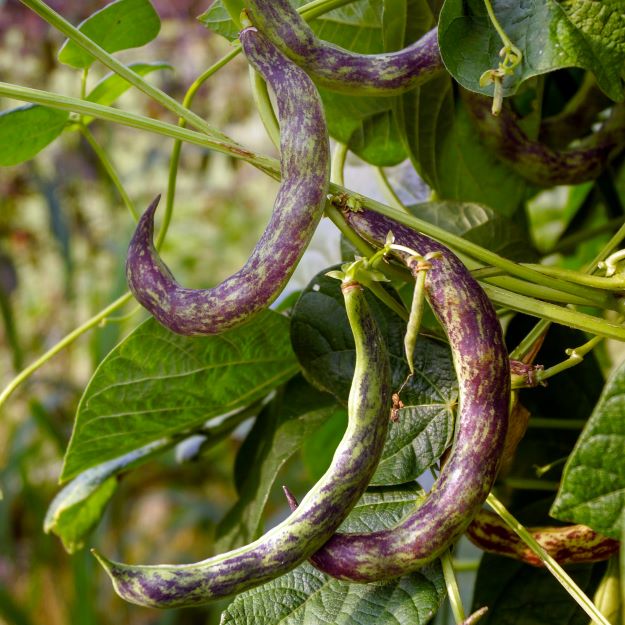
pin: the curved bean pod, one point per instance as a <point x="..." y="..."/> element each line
<point x="298" y="208"/>
<point x="339" y="69"/>
<point x="321" y="511"/>
<point x="536" y="161"/>
<point x="482" y="366"/>
<point x="572" y="544"/>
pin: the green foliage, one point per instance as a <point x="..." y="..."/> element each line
<point x="306" y="594"/>
<point x="325" y="349"/>
<point x="551" y="35"/>
<point x="27" y="130"/>
<point x="118" y="26"/>
<point x="593" y="486"/>
<point x="168" y="384"/>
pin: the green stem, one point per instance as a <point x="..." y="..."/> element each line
<point x="67" y="340"/>
<point x="497" y="26"/>
<point x="337" y="167"/>
<point x="390" y="193"/>
<point x="554" y="568"/>
<point x="527" y="344"/>
<point x="264" y="107"/>
<point x="616" y="240"/>
<point x="71" y="32"/>
<point x="571" y="242"/>
<point x="83" y="83"/>
<point x="314" y="9"/>
<point x="109" y="168"/>
<point x="552" y="312"/>
<point x="453" y="592"/>
<point x="174" y="160"/>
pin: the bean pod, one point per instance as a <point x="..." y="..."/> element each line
<point x="482" y="367"/>
<point x="571" y="544"/>
<point x="339" y="69"/>
<point x="536" y="161"/>
<point x="321" y="511"/>
<point x="304" y="163"/>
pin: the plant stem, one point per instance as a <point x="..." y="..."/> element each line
<point x="337" y="167"/>
<point x="71" y="32"/>
<point x="67" y="340"/>
<point x="527" y="344"/>
<point x="109" y="168"/>
<point x="453" y="592"/>
<point x="391" y="196"/>
<point x="314" y="9"/>
<point x="264" y="107"/>
<point x="554" y="568"/>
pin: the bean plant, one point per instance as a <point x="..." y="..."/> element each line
<point x="452" y="385"/>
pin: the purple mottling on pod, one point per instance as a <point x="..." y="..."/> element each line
<point x="298" y="208"/>
<point x="321" y="511"/>
<point x="482" y="366"/>
<point x="339" y="69"/>
<point x="536" y="161"/>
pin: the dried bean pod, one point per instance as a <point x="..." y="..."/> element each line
<point x="339" y="69"/>
<point x="483" y="371"/>
<point x="298" y="208"/>
<point x="321" y="511"/>
<point x="536" y="161"/>
<point x="572" y="544"/>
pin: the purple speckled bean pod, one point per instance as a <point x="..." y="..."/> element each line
<point x="483" y="371"/>
<point x="298" y="208"/>
<point x="570" y="544"/>
<point x="536" y="161"/>
<point x="339" y="69"/>
<point x="321" y="511"/>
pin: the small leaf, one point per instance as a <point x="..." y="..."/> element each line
<point x="278" y="433"/>
<point x="118" y="26"/>
<point x="217" y="19"/>
<point x="323" y="343"/>
<point x="592" y="491"/>
<point x="26" y="130"/>
<point x="155" y="384"/>
<point x="306" y="595"/>
<point x="550" y="34"/>
<point x="113" y="86"/>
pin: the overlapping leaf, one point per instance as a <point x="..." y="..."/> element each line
<point x="324" y="345"/>
<point x="155" y="384"/>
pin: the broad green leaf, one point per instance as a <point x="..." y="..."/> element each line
<point x="446" y="150"/>
<point x="306" y="595"/>
<point x="519" y="594"/>
<point x="318" y="449"/>
<point x="118" y="26"/>
<point x="156" y="384"/>
<point x="112" y="86"/>
<point x="479" y="224"/>
<point x="550" y="34"/>
<point x="592" y="491"/>
<point x="323" y="342"/>
<point x="278" y="433"/>
<point x="78" y="507"/>
<point x="26" y="130"/>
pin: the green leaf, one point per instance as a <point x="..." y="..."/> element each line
<point x="155" y="384"/>
<point x="550" y="34"/>
<point x="26" y="130"/>
<point x="217" y="19"/>
<point x="306" y="595"/>
<point x="113" y="86"/>
<point x="519" y="594"/>
<point x="479" y="224"/>
<point x="446" y="150"/>
<point x="118" y="26"/>
<point x="318" y="449"/>
<point x="324" y="346"/>
<point x="277" y="434"/>
<point x="592" y="491"/>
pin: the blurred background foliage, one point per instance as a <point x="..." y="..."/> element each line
<point x="63" y="237"/>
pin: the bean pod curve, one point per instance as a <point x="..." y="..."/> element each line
<point x="482" y="367"/>
<point x="341" y="70"/>
<point x="569" y="544"/>
<point x="536" y="161"/>
<point x="298" y="208"/>
<point x="321" y="511"/>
